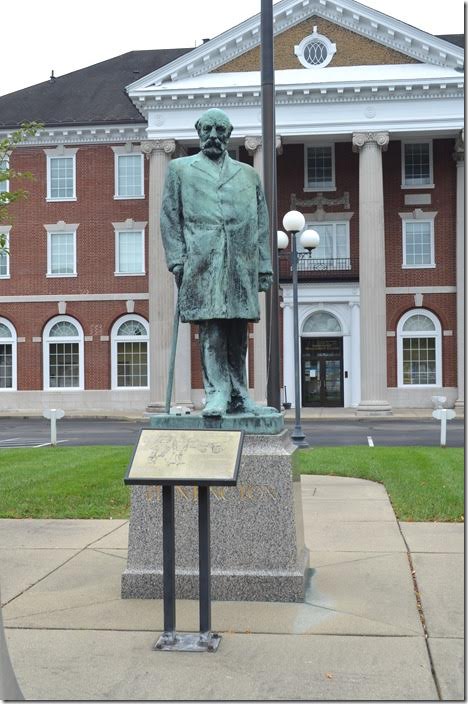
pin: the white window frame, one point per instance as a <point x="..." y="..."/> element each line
<point x="330" y="46"/>
<point x="115" y="339"/>
<point x="423" y="217"/>
<point x="410" y="186"/>
<point x="47" y="340"/>
<point x="5" y="185"/>
<point x="319" y="189"/>
<point x="128" y="150"/>
<point x="58" y="228"/>
<point x="5" y="230"/>
<point x="313" y="224"/>
<point x="437" y="334"/>
<point x="130" y="226"/>
<point x="13" y="340"/>
<point x="60" y="153"/>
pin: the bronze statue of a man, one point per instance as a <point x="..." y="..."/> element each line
<point x="214" y="225"/>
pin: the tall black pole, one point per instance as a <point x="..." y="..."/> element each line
<point x="269" y="183"/>
<point x="297" y="436"/>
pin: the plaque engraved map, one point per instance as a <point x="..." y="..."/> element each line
<point x="202" y="457"/>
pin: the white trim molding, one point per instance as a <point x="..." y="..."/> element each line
<point x="383" y="29"/>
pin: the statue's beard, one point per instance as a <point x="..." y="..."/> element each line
<point x="213" y="148"/>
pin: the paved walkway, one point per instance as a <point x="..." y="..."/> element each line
<point x="359" y="634"/>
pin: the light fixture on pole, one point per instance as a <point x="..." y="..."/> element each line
<point x="294" y="222"/>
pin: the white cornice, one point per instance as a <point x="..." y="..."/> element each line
<point x="89" y="134"/>
<point x="349" y="14"/>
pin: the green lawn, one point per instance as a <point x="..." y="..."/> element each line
<point x="64" y="482"/>
<point x="424" y="484"/>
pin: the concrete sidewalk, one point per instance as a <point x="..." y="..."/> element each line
<point x="359" y="634"/>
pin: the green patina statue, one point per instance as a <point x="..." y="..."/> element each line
<point x="214" y="225"/>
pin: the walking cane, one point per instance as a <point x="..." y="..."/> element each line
<point x="170" y="376"/>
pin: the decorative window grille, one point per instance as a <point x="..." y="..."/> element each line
<point x="315" y="50"/>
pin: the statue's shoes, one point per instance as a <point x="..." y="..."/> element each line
<point x="216" y="406"/>
<point x="249" y="406"/>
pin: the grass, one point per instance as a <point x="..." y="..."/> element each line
<point x="424" y="483"/>
<point x="71" y="482"/>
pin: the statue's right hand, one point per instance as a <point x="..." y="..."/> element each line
<point x="178" y="272"/>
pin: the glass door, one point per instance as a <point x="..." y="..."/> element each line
<point x="322" y="371"/>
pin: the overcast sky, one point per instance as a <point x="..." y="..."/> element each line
<point x="37" y="38"/>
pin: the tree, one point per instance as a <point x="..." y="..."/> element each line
<point x="8" y="175"/>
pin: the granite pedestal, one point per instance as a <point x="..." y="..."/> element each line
<point x="257" y="536"/>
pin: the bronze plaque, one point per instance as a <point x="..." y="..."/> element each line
<point x="197" y="457"/>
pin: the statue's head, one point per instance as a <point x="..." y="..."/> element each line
<point x="214" y="129"/>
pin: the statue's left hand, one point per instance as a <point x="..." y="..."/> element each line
<point x="264" y="281"/>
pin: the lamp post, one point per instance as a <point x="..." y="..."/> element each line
<point x="294" y="222"/>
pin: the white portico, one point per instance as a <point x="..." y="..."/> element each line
<point x="367" y="106"/>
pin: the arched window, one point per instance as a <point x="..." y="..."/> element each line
<point x="419" y="349"/>
<point x="130" y="337"/>
<point x="323" y="323"/>
<point x="7" y="356"/>
<point x="63" y="354"/>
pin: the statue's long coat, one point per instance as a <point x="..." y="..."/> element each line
<point x="214" y="221"/>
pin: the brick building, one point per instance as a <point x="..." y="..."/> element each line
<point x="369" y="147"/>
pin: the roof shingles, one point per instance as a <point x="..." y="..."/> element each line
<point x="90" y="96"/>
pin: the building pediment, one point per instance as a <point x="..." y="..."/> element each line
<point x="224" y="50"/>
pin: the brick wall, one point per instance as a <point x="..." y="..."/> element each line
<point x="94" y="210"/>
<point x="443" y="305"/>
<point x="351" y="49"/>
<point x="96" y="319"/>
<point x="443" y="201"/>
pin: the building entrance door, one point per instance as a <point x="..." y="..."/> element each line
<point x="322" y="371"/>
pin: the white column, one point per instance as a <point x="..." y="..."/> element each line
<point x="459" y="156"/>
<point x="355" y="355"/>
<point x="254" y="147"/>
<point x="372" y="273"/>
<point x="288" y="352"/>
<point x="161" y="283"/>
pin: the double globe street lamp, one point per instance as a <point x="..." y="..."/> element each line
<point x="294" y="222"/>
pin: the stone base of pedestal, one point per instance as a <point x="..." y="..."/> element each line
<point x="374" y="408"/>
<point x="257" y="535"/>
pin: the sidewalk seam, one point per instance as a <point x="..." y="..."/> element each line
<point x="421" y="613"/>
<point x="59" y="566"/>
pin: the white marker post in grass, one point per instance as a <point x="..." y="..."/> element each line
<point x="443" y="414"/>
<point x="53" y="414"/>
